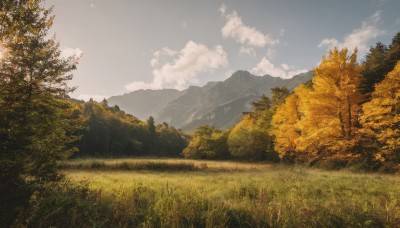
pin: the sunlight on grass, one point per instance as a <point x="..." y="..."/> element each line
<point x="256" y="194"/>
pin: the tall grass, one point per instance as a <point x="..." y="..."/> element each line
<point x="270" y="196"/>
<point x="160" y="165"/>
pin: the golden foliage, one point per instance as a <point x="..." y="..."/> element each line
<point x="331" y="114"/>
<point x="381" y="117"/>
<point x="285" y="123"/>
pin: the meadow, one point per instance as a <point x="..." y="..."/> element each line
<point x="190" y="193"/>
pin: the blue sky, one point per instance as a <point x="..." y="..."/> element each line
<point x="154" y="44"/>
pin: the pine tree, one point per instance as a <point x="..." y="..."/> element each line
<point x="378" y="63"/>
<point x="278" y="95"/>
<point x="393" y="54"/>
<point x="375" y="68"/>
<point x="35" y="133"/>
<point x="151" y="128"/>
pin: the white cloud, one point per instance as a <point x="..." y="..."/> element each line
<point x="359" y="37"/>
<point x="284" y="71"/>
<point x="87" y="97"/>
<point x="160" y="53"/>
<point x="154" y="62"/>
<point x="92" y="5"/>
<point x="329" y="42"/>
<point x="222" y="9"/>
<point x="249" y="51"/>
<point x="69" y="52"/>
<point x="183" y="70"/>
<point x="235" y="28"/>
<point x="285" y="66"/>
<point x="133" y="86"/>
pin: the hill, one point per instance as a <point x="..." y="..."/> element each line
<point x="217" y="103"/>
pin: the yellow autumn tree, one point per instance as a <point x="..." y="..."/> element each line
<point x="331" y="109"/>
<point x="285" y="124"/>
<point x="381" y="117"/>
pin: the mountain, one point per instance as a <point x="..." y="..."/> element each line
<point x="144" y="103"/>
<point x="217" y="103"/>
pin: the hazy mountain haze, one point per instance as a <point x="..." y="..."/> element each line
<point x="129" y="45"/>
<point x="217" y="103"/>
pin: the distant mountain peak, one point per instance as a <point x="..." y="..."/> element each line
<point x="217" y="103"/>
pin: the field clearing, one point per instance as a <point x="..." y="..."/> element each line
<point x="166" y="164"/>
<point x="230" y="194"/>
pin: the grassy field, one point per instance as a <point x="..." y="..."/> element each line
<point x="187" y="193"/>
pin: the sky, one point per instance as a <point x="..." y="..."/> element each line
<point x="127" y="45"/>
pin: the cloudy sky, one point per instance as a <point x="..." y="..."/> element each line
<point x="128" y="45"/>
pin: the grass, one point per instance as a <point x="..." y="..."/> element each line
<point x="157" y="164"/>
<point x="222" y="194"/>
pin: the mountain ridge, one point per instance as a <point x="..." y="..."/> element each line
<point x="217" y="103"/>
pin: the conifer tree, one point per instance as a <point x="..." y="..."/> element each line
<point x="378" y="63"/>
<point x="35" y="133"/>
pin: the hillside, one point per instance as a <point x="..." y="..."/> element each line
<point x="217" y="103"/>
<point x="144" y="103"/>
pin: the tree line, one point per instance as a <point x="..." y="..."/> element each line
<point x="347" y="115"/>
<point x="350" y="112"/>
<point x="110" y="132"/>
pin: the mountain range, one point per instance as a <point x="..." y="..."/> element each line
<point x="217" y="103"/>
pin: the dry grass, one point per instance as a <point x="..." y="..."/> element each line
<point x="156" y="164"/>
<point x="231" y="194"/>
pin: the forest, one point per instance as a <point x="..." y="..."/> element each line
<point x="347" y="116"/>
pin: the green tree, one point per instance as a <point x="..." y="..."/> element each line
<point x="207" y="143"/>
<point x="374" y="70"/>
<point x="260" y="106"/>
<point x="151" y="128"/>
<point x="378" y="63"/>
<point x="35" y="133"/>
<point x="279" y="95"/>
<point x="170" y="142"/>
<point x="250" y="141"/>
<point x="392" y="55"/>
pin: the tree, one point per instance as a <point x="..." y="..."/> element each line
<point x="285" y="129"/>
<point x="207" y="143"/>
<point x="392" y="55"/>
<point x="285" y="124"/>
<point x="260" y="106"/>
<point x="171" y="142"/>
<point x="109" y="131"/>
<point x="151" y="128"/>
<point x="378" y="63"/>
<point x="381" y="117"/>
<point x="278" y="95"/>
<point x="250" y="141"/>
<point x="35" y="133"/>
<point x="374" y="70"/>
<point x="330" y="123"/>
